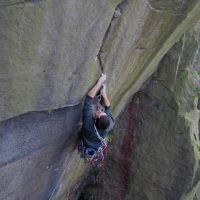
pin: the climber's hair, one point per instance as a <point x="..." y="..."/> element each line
<point x="103" y="122"/>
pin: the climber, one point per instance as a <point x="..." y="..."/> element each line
<point x="97" y="117"/>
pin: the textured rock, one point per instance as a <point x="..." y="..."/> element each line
<point x="155" y="153"/>
<point x="36" y="149"/>
<point x="138" y="39"/>
<point x="47" y="46"/>
<point x="48" y="60"/>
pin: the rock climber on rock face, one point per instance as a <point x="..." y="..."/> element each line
<point x="97" y="116"/>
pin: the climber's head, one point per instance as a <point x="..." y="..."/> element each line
<point x="102" y="120"/>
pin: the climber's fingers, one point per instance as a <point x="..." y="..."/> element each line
<point x="102" y="79"/>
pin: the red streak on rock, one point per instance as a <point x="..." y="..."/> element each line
<point x="126" y="150"/>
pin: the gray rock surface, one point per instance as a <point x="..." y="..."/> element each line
<point x="48" y="61"/>
<point x="138" y="39"/>
<point x="35" y="149"/>
<point x="46" y="46"/>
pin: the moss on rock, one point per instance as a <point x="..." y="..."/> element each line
<point x="155" y="153"/>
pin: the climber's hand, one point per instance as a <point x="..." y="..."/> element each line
<point x="102" y="79"/>
<point x="103" y="90"/>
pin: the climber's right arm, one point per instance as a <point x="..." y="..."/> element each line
<point x="92" y="93"/>
<point x="88" y="119"/>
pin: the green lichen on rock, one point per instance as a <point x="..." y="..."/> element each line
<point x="155" y="153"/>
<point x="48" y="60"/>
<point x="71" y="179"/>
<point x="157" y="34"/>
<point x="47" y="46"/>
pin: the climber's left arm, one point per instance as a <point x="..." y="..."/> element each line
<point x="108" y="111"/>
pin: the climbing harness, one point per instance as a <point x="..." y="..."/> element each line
<point x="94" y="157"/>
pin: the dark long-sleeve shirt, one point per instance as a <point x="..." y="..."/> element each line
<point x="89" y="136"/>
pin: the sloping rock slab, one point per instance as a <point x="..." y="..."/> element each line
<point x="33" y="152"/>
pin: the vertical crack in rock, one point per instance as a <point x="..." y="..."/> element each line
<point x="118" y="11"/>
